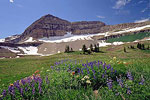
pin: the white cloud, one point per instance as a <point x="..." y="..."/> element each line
<point x="102" y="17"/>
<point x="120" y="3"/>
<point x="11" y="1"/>
<point x="142" y="20"/>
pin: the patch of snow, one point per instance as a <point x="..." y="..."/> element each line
<point x="148" y="39"/>
<point x="136" y="41"/>
<point x="2" y="58"/>
<point x="117" y="43"/>
<point x="88" y="48"/>
<point x="45" y="49"/>
<point x="12" y="49"/>
<point x="80" y="49"/>
<point x="69" y="37"/>
<point x="17" y="56"/>
<point x="30" y="50"/>
<point x="132" y="29"/>
<point x="103" y="44"/>
<point x="30" y="40"/>
<point x="13" y="37"/>
<point x="2" y="40"/>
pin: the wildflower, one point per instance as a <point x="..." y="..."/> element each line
<point x="47" y="81"/>
<point x="82" y="79"/>
<point x="4" y="93"/>
<point x="86" y="77"/>
<point x="38" y="75"/>
<point x="120" y="81"/>
<point x="77" y="76"/>
<point x="129" y="75"/>
<point x="73" y="73"/>
<point x="142" y="80"/>
<point x="114" y="58"/>
<point x="33" y="90"/>
<point x="52" y="67"/>
<point x="125" y="63"/>
<point x="21" y="91"/>
<point x="109" y="83"/>
<point x="36" y="72"/>
<point x="88" y="81"/>
<point x="128" y="91"/>
<point x="11" y="85"/>
<point x="47" y="70"/>
<point x="11" y="89"/>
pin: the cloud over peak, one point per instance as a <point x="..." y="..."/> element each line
<point x="120" y="3"/>
<point x="11" y="1"/>
<point x="102" y="17"/>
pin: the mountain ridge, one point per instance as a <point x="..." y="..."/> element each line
<point x="51" y="26"/>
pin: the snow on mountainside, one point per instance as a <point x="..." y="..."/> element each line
<point x="130" y="30"/>
<point x="30" y="39"/>
<point x="2" y="40"/>
<point x="12" y="49"/>
<point x="31" y="50"/>
<point x="69" y="38"/>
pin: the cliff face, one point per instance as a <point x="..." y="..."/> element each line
<point x="49" y="26"/>
<point x="85" y="27"/>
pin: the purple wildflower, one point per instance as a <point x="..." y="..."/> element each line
<point x="120" y="81"/>
<point x="26" y="89"/>
<point x="108" y="67"/>
<point x="109" y="83"/>
<point x="88" y="71"/>
<point x="93" y="71"/>
<point x="94" y="76"/>
<point x="52" y="67"/>
<point x="128" y="91"/>
<point x="4" y="93"/>
<point x="142" y="80"/>
<point x="103" y="75"/>
<point x="33" y="90"/>
<point x="104" y="65"/>
<point x="47" y="81"/>
<point x="11" y="90"/>
<point x="21" y="91"/>
<point x="23" y="81"/>
<point x="129" y="75"/>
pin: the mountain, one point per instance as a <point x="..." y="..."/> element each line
<point x="50" y="26"/>
<point x="50" y="35"/>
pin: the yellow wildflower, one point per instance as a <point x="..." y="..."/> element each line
<point x="88" y="82"/>
<point x="86" y="77"/>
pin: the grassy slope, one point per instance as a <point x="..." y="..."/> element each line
<point x="15" y="69"/>
<point x="129" y="38"/>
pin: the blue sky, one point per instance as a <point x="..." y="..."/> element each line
<point x="17" y="15"/>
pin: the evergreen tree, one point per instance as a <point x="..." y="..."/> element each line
<point x="125" y="49"/>
<point x="143" y="47"/>
<point x="67" y="49"/>
<point x="89" y="52"/>
<point x="138" y="45"/>
<point x="95" y="48"/>
<point x="91" y="47"/>
<point x="71" y="50"/>
<point x="148" y="47"/>
<point x="84" y="49"/>
<point x="98" y="48"/>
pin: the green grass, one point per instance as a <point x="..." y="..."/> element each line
<point x="16" y="69"/>
<point x="129" y="38"/>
